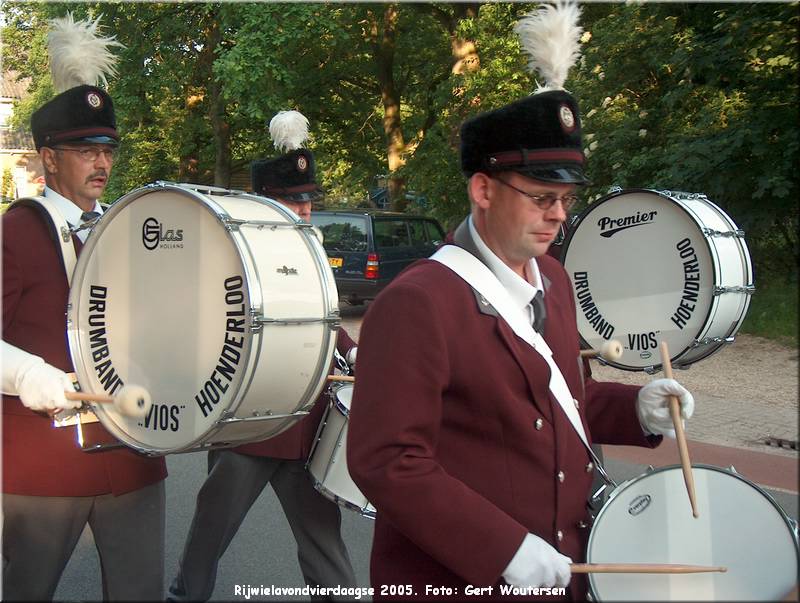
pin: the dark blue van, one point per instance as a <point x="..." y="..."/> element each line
<point x="367" y="248"/>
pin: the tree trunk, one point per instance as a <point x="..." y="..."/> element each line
<point x="216" y="112"/>
<point x="386" y="45"/>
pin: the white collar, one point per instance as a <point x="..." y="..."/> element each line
<point x="520" y="290"/>
<point x="70" y="211"/>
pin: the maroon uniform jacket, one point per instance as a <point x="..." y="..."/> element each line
<point x="297" y="441"/>
<point x="38" y="459"/>
<point x="456" y="440"/>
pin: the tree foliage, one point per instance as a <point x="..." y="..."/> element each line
<point x="699" y="97"/>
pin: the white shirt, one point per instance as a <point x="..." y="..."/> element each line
<point x="520" y="290"/>
<point x="71" y="212"/>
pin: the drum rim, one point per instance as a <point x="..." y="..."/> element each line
<point x="74" y="344"/>
<point x="729" y="472"/>
<point x="715" y="265"/>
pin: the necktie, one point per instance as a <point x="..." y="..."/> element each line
<point x="88" y="216"/>
<point x="539" y="312"/>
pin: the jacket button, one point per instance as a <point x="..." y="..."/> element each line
<point x="589" y="467"/>
<point x="538" y="424"/>
<point x="561" y="476"/>
<point x="559" y="535"/>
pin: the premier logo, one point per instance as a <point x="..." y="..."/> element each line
<point x="611" y="226"/>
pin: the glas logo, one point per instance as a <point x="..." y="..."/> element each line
<point x="153" y="233"/>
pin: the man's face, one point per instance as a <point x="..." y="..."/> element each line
<point x="78" y="171"/>
<point x="516" y="226"/>
<point x="301" y="208"/>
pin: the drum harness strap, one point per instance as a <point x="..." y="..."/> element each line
<point x="478" y="276"/>
<point x="62" y="229"/>
<point x="63" y="238"/>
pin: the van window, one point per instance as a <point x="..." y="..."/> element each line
<point x="417" y="230"/>
<point x="342" y="233"/>
<point x="435" y="233"/>
<point x="390" y="233"/>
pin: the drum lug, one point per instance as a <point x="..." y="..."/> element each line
<point x="614" y="189"/>
<point x="710" y="232"/>
<point x="258" y="321"/>
<point x="711" y="340"/>
<point x="732" y="469"/>
<point x="650" y="469"/>
<point x="650" y="370"/>
<point x="747" y="290"/>
<point x="268" y="416"/>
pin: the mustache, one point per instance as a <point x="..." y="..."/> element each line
<point x="99" y="173"/>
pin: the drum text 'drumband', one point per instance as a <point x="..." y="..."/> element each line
<point x="691" y="283"/>
<point x="213" y="389"/>
<point x="590" y="311"/>
<point x="108" y="376"/>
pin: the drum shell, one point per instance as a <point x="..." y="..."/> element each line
<point x="327" y="462"/>
<point x="680" y="272"/>
<point x="648" y="519"/>
<point x="213" y="249"/>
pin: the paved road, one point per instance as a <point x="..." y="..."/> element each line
<point x="263" y="553"/>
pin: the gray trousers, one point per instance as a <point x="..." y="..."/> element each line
<point x="40" y="534"/>
<point x="233" y="484"/>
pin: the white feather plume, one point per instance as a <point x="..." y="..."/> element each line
<point x="77" y="55"/>
<point x="551" y="36"/>
<point x="289" y="130"/>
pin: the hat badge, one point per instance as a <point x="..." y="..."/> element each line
<point x="94" y="100"/>
<point x="302" y="164"/>
<point x="566" y="117"/>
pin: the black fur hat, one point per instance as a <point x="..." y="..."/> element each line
<point x="80" y="60"/>
<point x="538" y="136"/>
<point x="291" y="177"/>
<point x="83" y="113"/>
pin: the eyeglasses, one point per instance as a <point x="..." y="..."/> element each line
<point x="90" y="154"/>
<point x="544" y="202"/>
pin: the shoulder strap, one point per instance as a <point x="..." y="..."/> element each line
<point x="478" y="276"/>
<point x="59" y="226"/>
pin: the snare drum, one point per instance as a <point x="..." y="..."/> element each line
<point x="648" y="266"/>
<point x="327" y="462"/>
<point x="220" y="303"/>
<point x="649" y="520"/>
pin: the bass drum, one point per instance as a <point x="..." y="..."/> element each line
<point x="220" y="303"/>
<point x="740" y="527"/>
<point x="648" y="266"/>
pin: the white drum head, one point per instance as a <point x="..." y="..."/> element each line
<point x="344" y="397"/>
<point x="649" y="520"/>
<point x="136" y="316"/>
<point x="643" y="272"/>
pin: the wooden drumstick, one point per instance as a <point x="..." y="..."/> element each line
<point x="349" y="378"/>
<point x="642" y="568"/>
<point x="610" y="350"/>
<point x="132" y="400"/>
<point x="680" y="436"/>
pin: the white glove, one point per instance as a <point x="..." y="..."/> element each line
<point x="537" y="564"/>
<point x="652" y="406"/>
<point x="40" y="386"/>
<point x="351" y="355"/>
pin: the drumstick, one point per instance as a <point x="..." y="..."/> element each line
<point x="680" y="436"/>
<point x="341" y="378"/>
<point x="642" y="568"/>
<point x="132" y="400"/>
<point x="610" y="350"/>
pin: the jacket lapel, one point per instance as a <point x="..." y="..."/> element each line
<point x="532" y="365"/>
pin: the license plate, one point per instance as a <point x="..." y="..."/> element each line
<point x="335" y="262"/>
